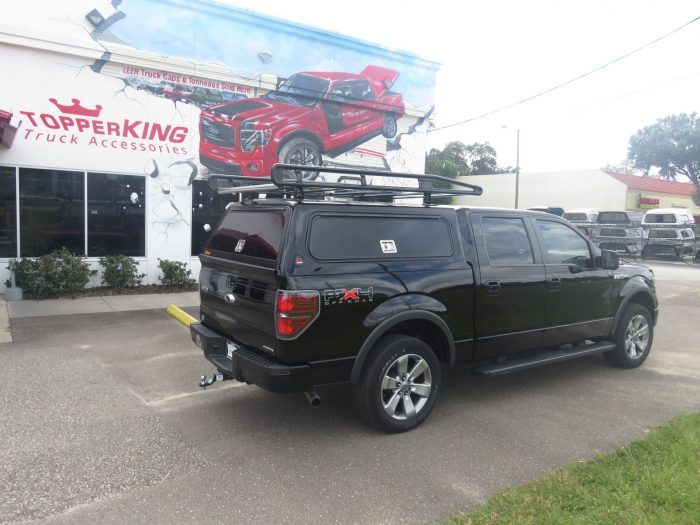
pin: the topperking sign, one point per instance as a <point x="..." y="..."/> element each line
<point x="75" y="124"/>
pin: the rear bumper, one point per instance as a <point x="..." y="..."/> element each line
<point x="250" y="366"/>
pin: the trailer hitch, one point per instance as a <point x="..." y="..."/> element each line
<point x="205" y="381"/>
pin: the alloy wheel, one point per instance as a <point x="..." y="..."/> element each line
<point x="637" y="337"/>
<point x="406" y="386"/>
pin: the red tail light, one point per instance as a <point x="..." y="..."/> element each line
<point x="295" y="311"/>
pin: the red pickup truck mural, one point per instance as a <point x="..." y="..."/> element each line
<point x="311" y="114"/>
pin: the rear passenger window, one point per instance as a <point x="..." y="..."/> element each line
<point x="506" y="241"/>
<point x="342" y="238"/>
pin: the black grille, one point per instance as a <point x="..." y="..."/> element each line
<point x="219" y="134"/>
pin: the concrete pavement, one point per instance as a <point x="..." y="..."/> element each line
<point x="87" y="305"/>
<point x="102" y="421"/>
<point x="5" y="333"/>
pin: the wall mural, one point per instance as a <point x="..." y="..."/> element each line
<point x="177" y="90"/>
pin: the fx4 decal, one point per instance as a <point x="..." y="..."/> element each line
<point x="348" y="296"/>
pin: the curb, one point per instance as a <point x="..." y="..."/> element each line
<point x="5" y="333"/>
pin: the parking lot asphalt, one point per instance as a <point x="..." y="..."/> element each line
<point x="101" y="421"/>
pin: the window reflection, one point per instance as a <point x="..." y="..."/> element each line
<point x="207" y="208"/>
<point x="52" y="211"/>
<point x="8" y="213"/>
<point x="116" y="215"/>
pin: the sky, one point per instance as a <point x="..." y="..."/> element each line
<point x="496" y="52"/>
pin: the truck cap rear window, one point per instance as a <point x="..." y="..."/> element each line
<point x="576" y="216"/>
<point x="660" y="218"/>
<point x="249" y="233"/>
<point x="613" y="217"/>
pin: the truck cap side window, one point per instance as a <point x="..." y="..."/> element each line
<point x="358" y="237"/>
<point x="506" y="240"/>
<point x="564" y="245"/>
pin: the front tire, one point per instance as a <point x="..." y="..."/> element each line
<point x="399" y="384"/>
<point x="633" y="338"/>
<point x="302" y="151"/>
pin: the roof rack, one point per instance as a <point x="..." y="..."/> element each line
<point x="299" y="182"/>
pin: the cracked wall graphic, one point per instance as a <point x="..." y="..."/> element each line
<point x="139" y="87"/>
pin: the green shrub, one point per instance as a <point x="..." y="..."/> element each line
<point x="175" y="273"/>
<point x="120" y="272"/>
<point x="54" y="275"/>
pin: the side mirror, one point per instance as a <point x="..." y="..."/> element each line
<point x="609" y="260"/>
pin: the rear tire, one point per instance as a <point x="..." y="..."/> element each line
<point x="399" y="384"/>
<point x="633" y="338"/>
<point x="389" y="128"/>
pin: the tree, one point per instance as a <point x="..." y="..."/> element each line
<point x="457" y="159"/>
<point x="672" y="145"/>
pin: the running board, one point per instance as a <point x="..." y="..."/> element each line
<point x="553" y="356"/>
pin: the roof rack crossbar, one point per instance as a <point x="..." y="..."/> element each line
<point x="426" y="188"/>
<point x="290" y="179"/>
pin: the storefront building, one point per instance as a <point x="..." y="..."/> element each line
<point x="112" y="118"/>
<point x="582" y="189"/>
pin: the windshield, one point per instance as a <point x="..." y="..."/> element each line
<point x="300" y="90"/>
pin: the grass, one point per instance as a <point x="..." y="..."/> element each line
<point x="654" y="480"/>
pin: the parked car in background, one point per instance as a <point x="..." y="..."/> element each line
<point x="619" y="231"/>
<point x="669" y="232"/>
<point x="583" y="218"/>
<point x="205" y="97"/>
<point x="178" y="92"/>
<point x="309" y="115"/>
<point x="137" y="83"/>
<point x="158" y="89"/>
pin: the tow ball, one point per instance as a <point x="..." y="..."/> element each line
<point x="205" y="381"/>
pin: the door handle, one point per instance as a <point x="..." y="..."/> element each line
<point x="493" y="287"/>
<point x="555" y="283"/>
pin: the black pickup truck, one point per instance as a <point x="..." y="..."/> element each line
<point x="303" y="291"/>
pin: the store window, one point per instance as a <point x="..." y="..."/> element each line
<point x="207" y="209"/>
<point x="116" y="215"/>
<point x="8" y="212"/>
<point x="52" y="211"/>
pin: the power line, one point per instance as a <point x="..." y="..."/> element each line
<point x="563" y="84"/>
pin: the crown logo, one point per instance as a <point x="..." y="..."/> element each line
<point x="76" y="108"/>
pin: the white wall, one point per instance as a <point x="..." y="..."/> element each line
<point x="570" y="189"/>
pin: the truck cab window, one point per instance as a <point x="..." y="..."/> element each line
<point x="506" y="241"/>
<point x="563" y="245"/>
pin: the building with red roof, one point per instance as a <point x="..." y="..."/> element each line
<point x="645" y="193"/>
<point x="582" y="189"/>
